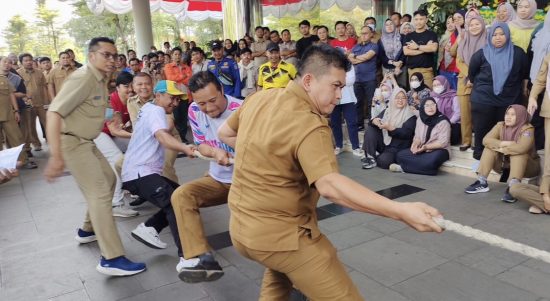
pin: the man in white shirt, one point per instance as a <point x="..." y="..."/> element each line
<point x="144" y="160"/>
<point x="248" y="72"/>
<point x="209" y="110"/>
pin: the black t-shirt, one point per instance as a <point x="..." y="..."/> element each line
<point x="304" y="43"/>
<point x="424" y="60"/>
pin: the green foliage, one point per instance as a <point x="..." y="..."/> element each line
<point x="438" y="11"/>
<point x="17" y="34"/>
<point x="48" y="39"/>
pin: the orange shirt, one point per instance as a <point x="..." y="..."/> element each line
<point x="180" y="74"/>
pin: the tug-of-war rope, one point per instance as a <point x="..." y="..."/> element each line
<point x="492" y="239"/>
<point x="469" y="232"/>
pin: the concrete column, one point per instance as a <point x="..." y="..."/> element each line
<point x="143" y="26"/>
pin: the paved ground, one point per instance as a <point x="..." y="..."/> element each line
<point x="39" y="259"/>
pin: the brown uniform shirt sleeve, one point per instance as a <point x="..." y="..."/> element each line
<point x="74" y="92"/>
<point x="525" y="143"/>
<point x="540" y="82"/>
<point x="316" y="155"/>
<point x="233" y="120"/>
<point x="492" y="139"/>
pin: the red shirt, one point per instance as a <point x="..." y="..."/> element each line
<point x="452" y="66"/>
<point x="346" y="44"/>
<point x="119" y="107"/>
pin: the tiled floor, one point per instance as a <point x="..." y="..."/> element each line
<point x="39" y="259"/>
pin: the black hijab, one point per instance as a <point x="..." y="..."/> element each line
<point x="430" y="121"/>
<point x="420" y="78"/>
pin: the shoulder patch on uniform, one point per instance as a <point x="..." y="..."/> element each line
<point x="526" y="134"/>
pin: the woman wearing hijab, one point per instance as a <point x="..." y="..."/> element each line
<point x="472" y="39"/>
<point x="446" y="62"/>
<point x="522" y="27"/>
<point x="382" y="97"/>
<point x="390" y="49"/>
<point x="505" y="13"/>
<point x="448" y="105"/>
<point x="509" y="144"/>
<point x="499" y="74"/>
<point x="389" y="132"/>
<point x="347" y="108"/>
<point x="430" y="146"/>
<point x="419" y="91"/>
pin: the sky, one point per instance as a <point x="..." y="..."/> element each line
<point x="27" y="8"/>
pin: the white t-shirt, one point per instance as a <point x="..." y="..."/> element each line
<point x="145" y="155"/>
<point x="205" y="131"/>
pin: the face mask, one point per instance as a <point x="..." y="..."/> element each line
<point x="386" y="94"/>
<point x="439" y="89"/>
<point x="415" y="84"/>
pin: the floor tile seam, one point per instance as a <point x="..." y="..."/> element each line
<point x="144" y="290"/>
<point x="70" y="292"/>
<point x="423" y="272"/>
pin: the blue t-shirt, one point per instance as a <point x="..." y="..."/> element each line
<point x="365" y="71"/>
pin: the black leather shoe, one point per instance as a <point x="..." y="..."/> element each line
<point x="464" y="147"/>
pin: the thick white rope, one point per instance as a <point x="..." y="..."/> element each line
<point x="197" y="154"/>
<point x="492" y="239"/>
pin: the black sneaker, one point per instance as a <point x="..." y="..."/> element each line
<point x="477" y="187"/>
<point x="368" y="162"/>
<point x="199" y="269"/>
<point x="507" y="197"/>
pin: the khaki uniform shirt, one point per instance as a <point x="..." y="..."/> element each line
<point x="283" y="147"/>
<point x="35" y="82"/>
<point x="6" y="89"/>
<point x="57" y="77"/>
<point x="259" y="46"/>
<point x="82" y="102"/>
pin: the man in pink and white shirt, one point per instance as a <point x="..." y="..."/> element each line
<point x="209" y="110"/>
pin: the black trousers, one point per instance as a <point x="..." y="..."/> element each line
<point x="364" y="92"/>
<point x="180" y="117"/>
<point x="484" y="118"/>
<point x="426" y="163"/>
<point x="374" y="142"/>
<point x="157" y="190"/>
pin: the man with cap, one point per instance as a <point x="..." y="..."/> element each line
<point x="75" y="117"/>
<point x="276" y="73"/>
<point x="226" y="70"/>
<point x="144" y="159"/>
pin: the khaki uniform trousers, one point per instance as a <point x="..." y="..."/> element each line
<point x="465" y="119"/>
<point x="528" y="193"/>
<point x="520" y="165"/>
<point x="96" y="180"/>
<point x="28" y="128"/>
<point x="186" y="201"/>
<point x="314" y="269"/>
<point x="428" y="74"/>
<point x="14" y="137"/>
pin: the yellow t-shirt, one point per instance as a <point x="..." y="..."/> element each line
<point x="521" y="37"/>
<point x="276" y="78"/>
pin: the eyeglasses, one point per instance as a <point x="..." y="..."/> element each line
<point x="430" y="105"/>
<point x="108" y="55"/>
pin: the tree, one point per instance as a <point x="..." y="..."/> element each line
<point x="17" y="34"/>
<point x="46" y="24"/>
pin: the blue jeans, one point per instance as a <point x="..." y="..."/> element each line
<point x="350" y="115"/>
<point x="451" y="77"/>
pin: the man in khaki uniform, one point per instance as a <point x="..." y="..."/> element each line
<point x="58" y="75"/>
<point x="259" y="47"/>
<point x="75" y="118"/>
<point x="284" y="161"/>
<point x="37" y="96"/>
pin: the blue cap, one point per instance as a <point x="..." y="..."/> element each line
<point x="167" y="86"/>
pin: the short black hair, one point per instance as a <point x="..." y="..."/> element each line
<point x="197" y="49"/>
<point x="258" y="27"/>
<point x="324" y="27"/>
<point x="266" y="28"/>
<point x="166" y="43"/>
<point x="133" y="59"/>
<point x="396" y="13"/>
<point x="23" y="55"/>
<point x="407" y="15"/>
<point x="69" y="50"/>
<point x="283" y="31"/>
<point x="177" y="48"/>
<point x="304" y="22"/>
<point x="340" y="22"/>
<point x="274" y="31"/>
<point x="44" y="59"/>
<point x="370" y="18"/>
<point x="130" y="50"/>
<point x="202" y="79"/>
<point x="160" y="52"/>
<point x="143" y="74"/>
<point x="318" y="58"/>
<point x="245" y="50"/>
<point x="152" y="55"/>
<point x="315" y="27"/>
<point x="62" y="53"/>
<point x="124" y="78"/>
<point x="121" y="55"/>
<point x="421" y="12"/>
<point x="95" y="42"/>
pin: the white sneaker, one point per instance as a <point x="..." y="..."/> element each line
<point x="359" y="153"/>
<point x="395" y="168"/>
<point x="337" y="151"/>
<point x="149" y="236"/>
<point x="187" y="263"/>
<point x="123" y="211"/>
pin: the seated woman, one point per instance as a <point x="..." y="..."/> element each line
<point x="430" y="146"/>
<point x="448" y="104"/>
<point x="389" y="132"/>
<point x="381" y="97"/>
<point x="347" y="108"/>
<point x="510" y="143"/>
<point x="419" y="91"/>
